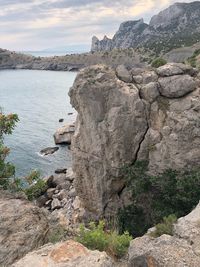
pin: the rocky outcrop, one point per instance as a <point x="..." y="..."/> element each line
<point x="181" y="249"/>
<point x="174" y="27"/>
<point x="64" y="135"/>
<point x="23" y="227"/>
<point x="66" y="254"/>
<point x="154" y="118"/>
<point x="48" y="150"/>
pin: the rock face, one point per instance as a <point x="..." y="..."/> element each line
<point x="107" y="133"/>
<point x="64" y="135"/>
<point x="23" y="227"/>
<point x="174" y="27"/>
<point x="154" y="118"/>
<point x="66" y="254"/>
<point x="181" y="249"/>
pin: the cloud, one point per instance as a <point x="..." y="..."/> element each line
<point x="38" y="24"/>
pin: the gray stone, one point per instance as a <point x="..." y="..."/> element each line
<point x="64" y="134"/>
<point x="23" y="227"/>
<point x="150" y="91"/>
<point x="48" y="150"/>
<point x="123" y="74"/>
<point x="176" y="86"/>
<point x="56" y="204"/>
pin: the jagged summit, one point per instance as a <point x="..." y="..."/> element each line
<point x="176" y="26"/>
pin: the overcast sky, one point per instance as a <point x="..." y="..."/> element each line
<point x="41" y="24"/>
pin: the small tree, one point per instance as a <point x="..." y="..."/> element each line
<point x="7" y="170"/>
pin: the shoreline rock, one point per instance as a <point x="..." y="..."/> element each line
<point x="63" y="135"/>
<point x="48" y="151"/>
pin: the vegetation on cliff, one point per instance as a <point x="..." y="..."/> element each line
<point x="96" y="237"/>
<point x="32" y="185"/>
<point x="157" y="196"/>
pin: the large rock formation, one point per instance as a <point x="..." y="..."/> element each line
<point x="66" y="254"/>
<point x="174" y="27"/>
<point x="23" y="227"/>
<point x="181" y="249"/>
<point x="155" y="118"/>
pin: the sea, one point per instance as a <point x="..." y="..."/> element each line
<point x="40" y="98"/>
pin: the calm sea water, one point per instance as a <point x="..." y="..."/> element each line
<point x="40" y="98"/>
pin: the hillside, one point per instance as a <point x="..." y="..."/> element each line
<point x="176" y="26"/>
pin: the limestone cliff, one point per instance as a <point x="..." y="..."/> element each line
<point x="173" y="27"/>
<point x="128" y="115"/>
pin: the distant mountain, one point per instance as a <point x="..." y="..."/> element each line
<point x="176" y="26"/>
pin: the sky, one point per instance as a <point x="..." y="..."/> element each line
<point x="27" y="25"/>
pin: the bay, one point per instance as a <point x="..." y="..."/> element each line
<point x="40" y="98"/>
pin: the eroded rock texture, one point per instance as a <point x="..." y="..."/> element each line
<point x="156" y="117"/>
<point x="66" y="254"/>
<point x="23" y="227"/>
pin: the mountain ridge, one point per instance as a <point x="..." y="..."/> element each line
<point x="176" y="26"/>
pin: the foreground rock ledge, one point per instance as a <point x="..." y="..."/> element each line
<point x="66" y="254"/>
<point x="179" y="250"/>
<point x="155" y="118"/>
<point x="23" y="227"/>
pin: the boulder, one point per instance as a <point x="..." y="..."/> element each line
<point x="172" y="69"/>
<point x="64" y="135"/>
<point x="176" y="86"/>
<point x="59" y="171"/>
<point x="123" y="74"/>
<point x="65" y="254"/>
<point x="48" y="150"/>
<point x="23" y="227"/>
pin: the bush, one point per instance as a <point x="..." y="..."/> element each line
<point x="155" y="197"/>
<point x="94" y="237"/>
<point x="97" y="238"/>
<point x="158" y="62"/>
<point x="57" y="234"/>
<point x="119" y="244"/>
<point x="192" y="60"/>
<point x="7" y="170"/>
<point x="32" y="185"/>
<point x="166" y="227"/>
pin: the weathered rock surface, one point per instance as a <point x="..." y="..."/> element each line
<point x="23" y="227"/>
<point x="154" y="118"/>
<point x="66" y="254"/>
<point x="107" y="134"/>
<point x="181" y="249"/>
<point x="64" y="134"/>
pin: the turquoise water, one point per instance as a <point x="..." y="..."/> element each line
<point x="40" y="98"/>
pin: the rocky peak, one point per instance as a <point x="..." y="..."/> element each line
<point x="176" y="26"/>
<point x="177" y="15"/>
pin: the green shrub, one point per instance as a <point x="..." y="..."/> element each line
<point x="36" y="185"/>
<point x="97" y="238"/>
<point x="192" y="60"/>
<point x="119" y="244"/>
<point x="94" y="237"/>
<point x="155" y="197"/>
<point x="165" y="227"/>
<point x="57" y="234"/>
<point x="158" y="62"/>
